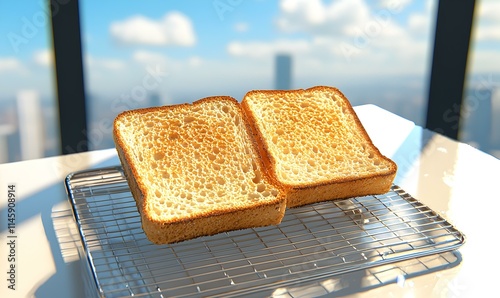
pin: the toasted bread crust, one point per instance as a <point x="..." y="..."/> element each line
<point x="260" y="213"/>
<point x="335" y="188"/>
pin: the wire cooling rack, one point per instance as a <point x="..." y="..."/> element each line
<point x="311" y="243"/>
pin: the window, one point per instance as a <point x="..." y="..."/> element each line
<point x="156" y="53"/>
<point x="28" y="113"/>
<point x="480" y="113"/>
<point x="139" y="54"/>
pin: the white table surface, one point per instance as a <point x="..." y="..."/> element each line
<point x="454" y="179"/>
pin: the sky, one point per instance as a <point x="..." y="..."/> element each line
<point x="185" y="50"/>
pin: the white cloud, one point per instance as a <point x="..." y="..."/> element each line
<point x="112" y="64"/>
<point x="488" y="10"/>
<point x="195" y="61"/>
<point x="241" y="27"/>
<point x="481" y="61"/>
<point x="110" y="76"/>
<point x="18" y="74"/>
<point x="487" y="21"/>
<point x="104" y="63"/>
<point x="488" y="33"/>
<point x="485" y="39"/>
<point x="418" y="22"/>
<point x="151" y="58"/>
<point x="173" y="29"/>
<point x="44" y="57"/>
<point x="348" y="37"/>
<point x="8" y="64"/>
<point x="395" y="5"/>
<point x="318" y="18"/>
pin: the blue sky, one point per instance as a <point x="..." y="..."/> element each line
<point x="212" y="33"/>
<point x="227" y="46"/>
<point x="214" y="22"/>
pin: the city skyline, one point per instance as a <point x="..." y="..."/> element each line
<point x="375" y="52"/>
<point x="477" y="126"/>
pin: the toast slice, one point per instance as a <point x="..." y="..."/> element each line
<point x="194" y="170"/>
<point x="315" y="146"/>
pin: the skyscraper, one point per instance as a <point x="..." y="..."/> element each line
<point x="30" y="124"/>
<point x="154" y="100"/>
<point x="5" y="131"/>
<point x="495" y="119"/>
<point x="476" y="118"/>
<point x="283" y="72"/>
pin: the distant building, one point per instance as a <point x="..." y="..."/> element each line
<point x="476" y="118"/>
<point x="5" y="131"/>
<point x="283" y="72"/>
<point x="31" y="134"/>
<point x="154" y="100"/>
<point x="495" y="120"/>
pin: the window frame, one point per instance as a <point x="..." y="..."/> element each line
<point x="454" y="22"/>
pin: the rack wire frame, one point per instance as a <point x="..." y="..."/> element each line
<point x="312" y="242"/>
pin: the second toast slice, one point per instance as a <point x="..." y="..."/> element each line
<point x="314" y="144"/>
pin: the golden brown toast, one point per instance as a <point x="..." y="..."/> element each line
<point x="194" y="170"/>
<point x="313" y="143"/>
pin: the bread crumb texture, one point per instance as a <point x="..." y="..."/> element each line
<point x="194" y="160"/>
<point x="314" y="136"/>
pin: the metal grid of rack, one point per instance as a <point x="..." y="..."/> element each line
<point x="311" y="243"/>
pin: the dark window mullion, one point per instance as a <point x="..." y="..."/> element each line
<point x="69" y="75"/>
<point x="451" y="47"/>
